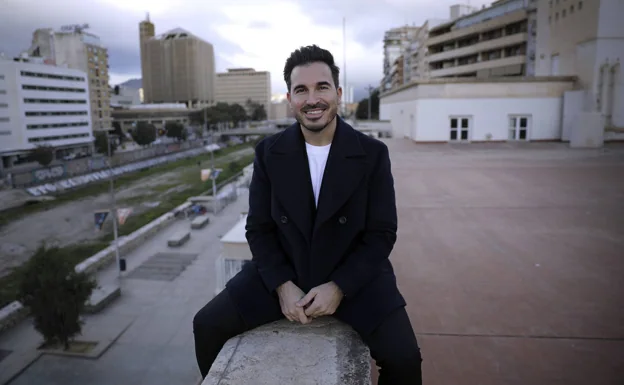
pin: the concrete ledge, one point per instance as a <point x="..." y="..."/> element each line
<point x="101" y="297"/>
<point x="12" y="314"/>
<point x="200" y="221"/>
<point x="179" y="238"/>
<point x="325" y="352"/>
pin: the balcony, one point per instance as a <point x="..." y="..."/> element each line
<point x="483" y="65"/>
<point x="480" y="47"/>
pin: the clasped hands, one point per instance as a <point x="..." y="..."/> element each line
<point x="301" y="307"/>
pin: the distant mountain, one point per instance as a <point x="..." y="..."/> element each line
<point x="133" y="83"/>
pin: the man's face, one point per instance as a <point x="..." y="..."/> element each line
<point x="313" y="95"/>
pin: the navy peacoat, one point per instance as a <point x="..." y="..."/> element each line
<point x="347" y="239"/>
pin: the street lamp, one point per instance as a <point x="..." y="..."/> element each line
<point x="121" y="264"/>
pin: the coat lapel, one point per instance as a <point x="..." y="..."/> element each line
<point x="345" y="168"/>
<point x="287" y="166"/>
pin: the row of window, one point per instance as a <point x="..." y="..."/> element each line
<point x="55" y="101"/>
<point x="3" y="119"/>
<point x="56" y="125"/>
<point x="59" y="137"/>
<point x="2" y="133"/>
<point x="564" y="12"/>
<point x="55" y="113"/>
<point x="3" y="105"/>
<point x="46" y="88"/>
<point x="51" y="76"/>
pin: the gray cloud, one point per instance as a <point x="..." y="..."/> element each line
<point x="118" y="27"/>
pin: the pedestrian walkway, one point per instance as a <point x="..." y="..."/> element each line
<point x="150" y="324"/>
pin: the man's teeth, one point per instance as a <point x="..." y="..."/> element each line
<point x="314" y="112"/>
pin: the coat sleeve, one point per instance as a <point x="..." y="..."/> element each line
<point x="261" y="231"/>
<point x="364" y="263"/>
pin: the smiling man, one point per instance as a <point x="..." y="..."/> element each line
<point x="321" y="225"/>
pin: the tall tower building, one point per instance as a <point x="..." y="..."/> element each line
<point x="177" y="67"/>
<point x="73" y="47"/>
<point x="146" y="32"/>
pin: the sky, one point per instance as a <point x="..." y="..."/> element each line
<point x="259" y="34"/>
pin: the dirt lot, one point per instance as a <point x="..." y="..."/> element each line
<point x="511" y="260"/>
<point x="73" y="222"/>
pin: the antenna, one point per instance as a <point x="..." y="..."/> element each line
<point x="147" y="16"/>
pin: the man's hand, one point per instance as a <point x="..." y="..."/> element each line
<point x="322" y="300"/>
<point x="289" y="294"/>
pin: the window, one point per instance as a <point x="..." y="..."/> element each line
<point x="580" y="5"/>
<point x="55" y="101"/>
<point x="554" y="65"/>
<point x="48" y="138"/>
<point x="571" y="9"/>
<point x="55" y="113"/>
<point x="51" y="76"/>
<point x="46" y="88"/>
<point x="459" y="129"/>
<point x="56" y="125"/>
<point x="563" y="13"/>
<point x="3" y="105"/>
<point x="5" y="133"/>
<point x="1" y="77"/>
<point x="519" y="127"/>
<point x="4" y="119"/>
<point x="556" y="16"/>
<point x="2" y="92"/>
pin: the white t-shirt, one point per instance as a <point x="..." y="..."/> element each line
<point x="317" y="159"/>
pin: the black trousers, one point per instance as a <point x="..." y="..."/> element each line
<point x="393" y="344"/>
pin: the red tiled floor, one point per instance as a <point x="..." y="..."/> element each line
<point x="511" y="260"/>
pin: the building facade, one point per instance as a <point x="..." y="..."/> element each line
<point x="396" y="41"/>
<point x="585" y="39"/>
<point x="73" y="47"/>
<point x="176" y="67"/>
<point x="242" y="84"/>
<point x="156" y="114"/>
<point x="42" y="104"/>
<point x="469" y="110"/>
<point x="492" y="42"/>
<point x="123" y="97"/>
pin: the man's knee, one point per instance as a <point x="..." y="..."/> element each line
<point x="219" y="316"/>
<point x="405" y="360"/>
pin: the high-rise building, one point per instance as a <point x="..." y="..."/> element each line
<point x="73" y="47"/>
<point x="42" y="104"/>
<point x="177" y="67"/>
<point x="396" y="41"/>
<point x="239" y="85"/>
<point x="492" y="42"/>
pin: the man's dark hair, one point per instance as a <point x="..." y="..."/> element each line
<point x="307" y="55"/>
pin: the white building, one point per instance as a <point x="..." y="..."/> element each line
<point x="42" y="105"/>
<point x="477" y="110"/>
<point x="124" y="97"/>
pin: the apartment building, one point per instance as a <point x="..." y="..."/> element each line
<point x="396" y="42"/>
<point x="73" y="47"/>
<point x="238" y="85"/>
<point x="42" y="104"/>
<point x="177" y="67"/>
<point x="492" y="42"/>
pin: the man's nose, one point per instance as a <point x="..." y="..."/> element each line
<point x="312" y="98"/>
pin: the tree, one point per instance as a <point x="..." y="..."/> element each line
<point x="101" y="143"/>
<point x="118" y="131"/>
<point x="55" y="294"/>
<point x="237" y="113"/>
<point x="175" y="130"/>
<point x="144" y="133"/>
<point x="259" y="113"/>
<point x="43" y="154"/>
<point x="362" y="108"/>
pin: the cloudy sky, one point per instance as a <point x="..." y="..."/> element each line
<point x="245" y="33"/>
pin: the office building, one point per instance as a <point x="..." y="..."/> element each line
<point x="177" y="67"/>
<point x="73" y="47"/>
<point x="239" y="85"/>
<point x="123" y="97"/>
<point x="492" y="42"/>
<point x="42" y="104"/>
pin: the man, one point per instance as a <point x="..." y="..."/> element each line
<point x="321" y="225"/>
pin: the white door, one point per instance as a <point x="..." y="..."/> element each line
<point x="519" y="128"/>
<point x="459" y="129"/>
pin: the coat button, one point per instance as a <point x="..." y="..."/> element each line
<point x="284" y="219"/>
<point x="342" y="220"/>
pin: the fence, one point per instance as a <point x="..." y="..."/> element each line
<point x="83" y="166"/>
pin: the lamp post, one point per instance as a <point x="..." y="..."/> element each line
<point x="120" y="268"/>
<point x="370" y="101"/>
